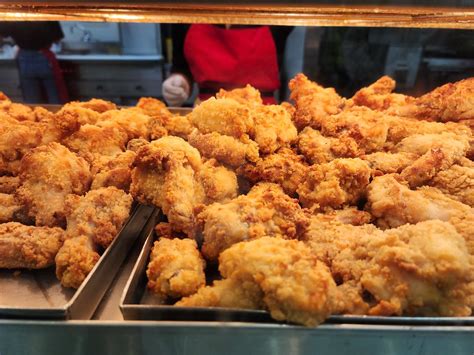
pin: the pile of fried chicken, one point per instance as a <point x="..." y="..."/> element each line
<point x="329" y="205"/>
<point x="358" y="206"/>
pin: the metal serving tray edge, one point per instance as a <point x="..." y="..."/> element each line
<point x="87" y="297"/>
<point x="132" y="309"/>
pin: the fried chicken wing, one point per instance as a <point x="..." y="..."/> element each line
<point x="264" y="211"/>
<point x="283" y="167"/>
<point x="48" y="174"/>
<point x="176" y="268"/>
<point x="334" y="185"/>
<point x="28" y="247"/>
<point x="314" y="104"/>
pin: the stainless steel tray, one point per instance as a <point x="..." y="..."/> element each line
<point x="38" y="294"/>
<point x="137" y="303"/>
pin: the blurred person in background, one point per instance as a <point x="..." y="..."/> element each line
<point x="224" y="56"/>
<point x="41" y="78"/>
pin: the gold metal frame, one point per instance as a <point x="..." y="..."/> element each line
<point x="274" y="14"/>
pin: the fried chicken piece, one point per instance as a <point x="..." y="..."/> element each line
<point x="169" y="174"/>
<point x="97" y="105"/>
<point x="264" y="211"/>
<point x="99" y="214"/>
<point x="247" y="95"/>
<point x="416" y="270"/>
<point x="351" y="215"/>
<point x="16" y="138"/>
<point x="9" y="184"/>
<point x="392" y="202"/>
<point x="283" y="167"/>
<point x="450" y="102"/>
<point x="388" y="163"/>
<point x="224" y="116"/>
<point x="314" y="104"/>
<point x="74" y="111"/>
<point x="115" y="172"/>
<point x="334" y="185"/>
<point x="135" y="144"/>
<point x="9" y="205"/>
<point x="379" y="97"/>
<point x="436" y="152"/>
<point x="367" y="128"/>
<point x="457" y="182"/>
<point x="226" y="293"/>
<point x="131" y="120"/>
<point x="218" y="182"/>
<point x="273" y="128"/>
<point x="75" y="260"/>
<point x="296" y="286"/>
<point x="28" y="247"/>
<point x="226" y="149"/>
<point x="176" y="268"/>
<point x="164" y="120"/>
<point x="48" y="174"/>
<point x="92" y="142"/>
<point x="319" y="149"/>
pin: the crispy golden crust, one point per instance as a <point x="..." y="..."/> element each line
<point x="334" y="185"/>
<point x="131" y="120"/>
<point x="273" y="128"/>
<point x="9" y="184"/>
<point x="450" y="102"/>
<point x="48" y="174"/>
<point x="115" y="172"/>
<point x="314" y="104"/>
<point x="75" y="260"/>
<point x="388" y="163"/>
<point x="296" y="287"/>
<point x="264" y="211"/>
<point x="99" y="214"/>
<point x="93" y="141"/>
<point x="227" y="293"/>
<point x="9" y="206"/>
<point x="224" y="116"/>
<point x="392" y="202"/>
<point x="247" y="95"/>
<point x="420" y="269"/>
<point x="457" y="182"/>
<point x="284" y="168"/>
<point x="318" y="149"/>
<point x="226" y="149"/>
<point x="97" y="105"/>
<point x="170" y="174"/>
<point x="28" y="247"/>
<point x="176" y="268"/>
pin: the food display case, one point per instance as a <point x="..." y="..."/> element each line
<point x="121" y="324"/>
